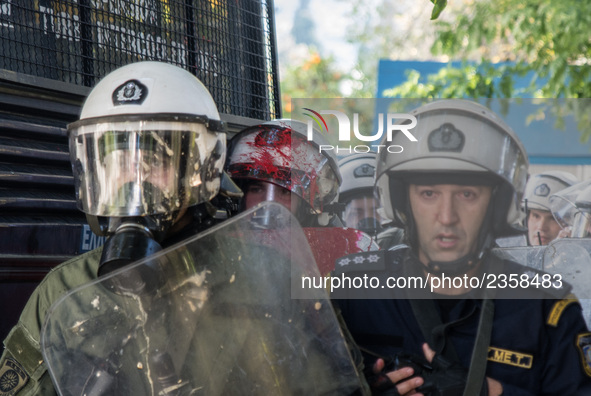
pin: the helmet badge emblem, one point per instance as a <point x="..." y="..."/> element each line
<point x="130" y="92"/>
<point x="542" y="190"/>
<point x="364" y="170"/>
<point x="446" y="138"/>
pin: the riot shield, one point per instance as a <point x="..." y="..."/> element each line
<point x="512" y="241"/>
<point x="530" y="256"/>
<point x="212" y="315"/>
<point x="565" y="203"/>
<point x="571" y="259"/>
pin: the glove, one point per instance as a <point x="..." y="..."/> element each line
<point x="442" y="377"/>
<point x="380" y="384"/>
<point x="446" y="379"/>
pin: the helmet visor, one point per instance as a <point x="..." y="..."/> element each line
<point x="144" y="167"/>
<point x="581" y="225"/>
<point x="564" y="205"/>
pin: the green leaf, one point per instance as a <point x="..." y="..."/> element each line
<point x="438" y="7"/>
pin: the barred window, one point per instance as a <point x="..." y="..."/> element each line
<point x="228" y="44"/>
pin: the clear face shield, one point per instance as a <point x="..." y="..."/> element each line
<point x="268" y="217"/>
<point x="142" y="175"/>
<point x="144" y="168"/>
<point x="571" y="208"/>
<point x="361" y="213"/>
<point x="581" y="225"/>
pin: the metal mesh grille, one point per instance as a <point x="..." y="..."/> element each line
<point x="228" y="44"/>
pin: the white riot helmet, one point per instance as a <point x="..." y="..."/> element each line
<point x="149" y="142"/>
<point x="540" y="187"/>
<point x="459" y="142"/>
<point x="279" y="152"/>
<point x="358" y="173"/>
<point x="357" y="192"/>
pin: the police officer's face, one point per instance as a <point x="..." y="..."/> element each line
<point x="542" y="222"/>
<point x="258" y="191"/>
<point x="448" y="218"/>
<point x="359" y="209"/>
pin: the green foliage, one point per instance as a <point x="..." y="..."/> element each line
<point x="438" y="7"/>
<point x="549" y="39"/>
<point x="317" y="77"/>
<point x="313" y="78"/>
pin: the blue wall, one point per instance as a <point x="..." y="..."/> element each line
<point x="543" y="141"/>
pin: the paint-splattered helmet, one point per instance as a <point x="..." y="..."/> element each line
<point x="279" y="152"/>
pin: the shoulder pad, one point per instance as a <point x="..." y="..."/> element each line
<point x="558" y="308"/>
<point x="373" y="261"/>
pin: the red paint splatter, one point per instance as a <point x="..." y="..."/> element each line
<point x="326" y="243"/>
<point x="282" y="157"/>
<point x="330" y="243"/>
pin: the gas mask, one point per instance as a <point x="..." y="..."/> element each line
<point x="361" y="212"/>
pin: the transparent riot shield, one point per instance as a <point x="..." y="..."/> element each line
<point x="570" y="258"/>
<point x="212" y="315"/>
<point x="530" y="256"/>
<point x="565" y="203"/>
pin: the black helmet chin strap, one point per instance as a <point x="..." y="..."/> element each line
<point x="461" y="265"/>
<point x="452" y="268"/>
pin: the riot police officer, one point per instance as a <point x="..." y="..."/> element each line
<point x="357" y="192"/>
<point x="455" y="191"/>
<point x="542" y="228"/>
<point x="362" y="206"/>
<point x="147" y="154"/>
<point x="274" y="161"/>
